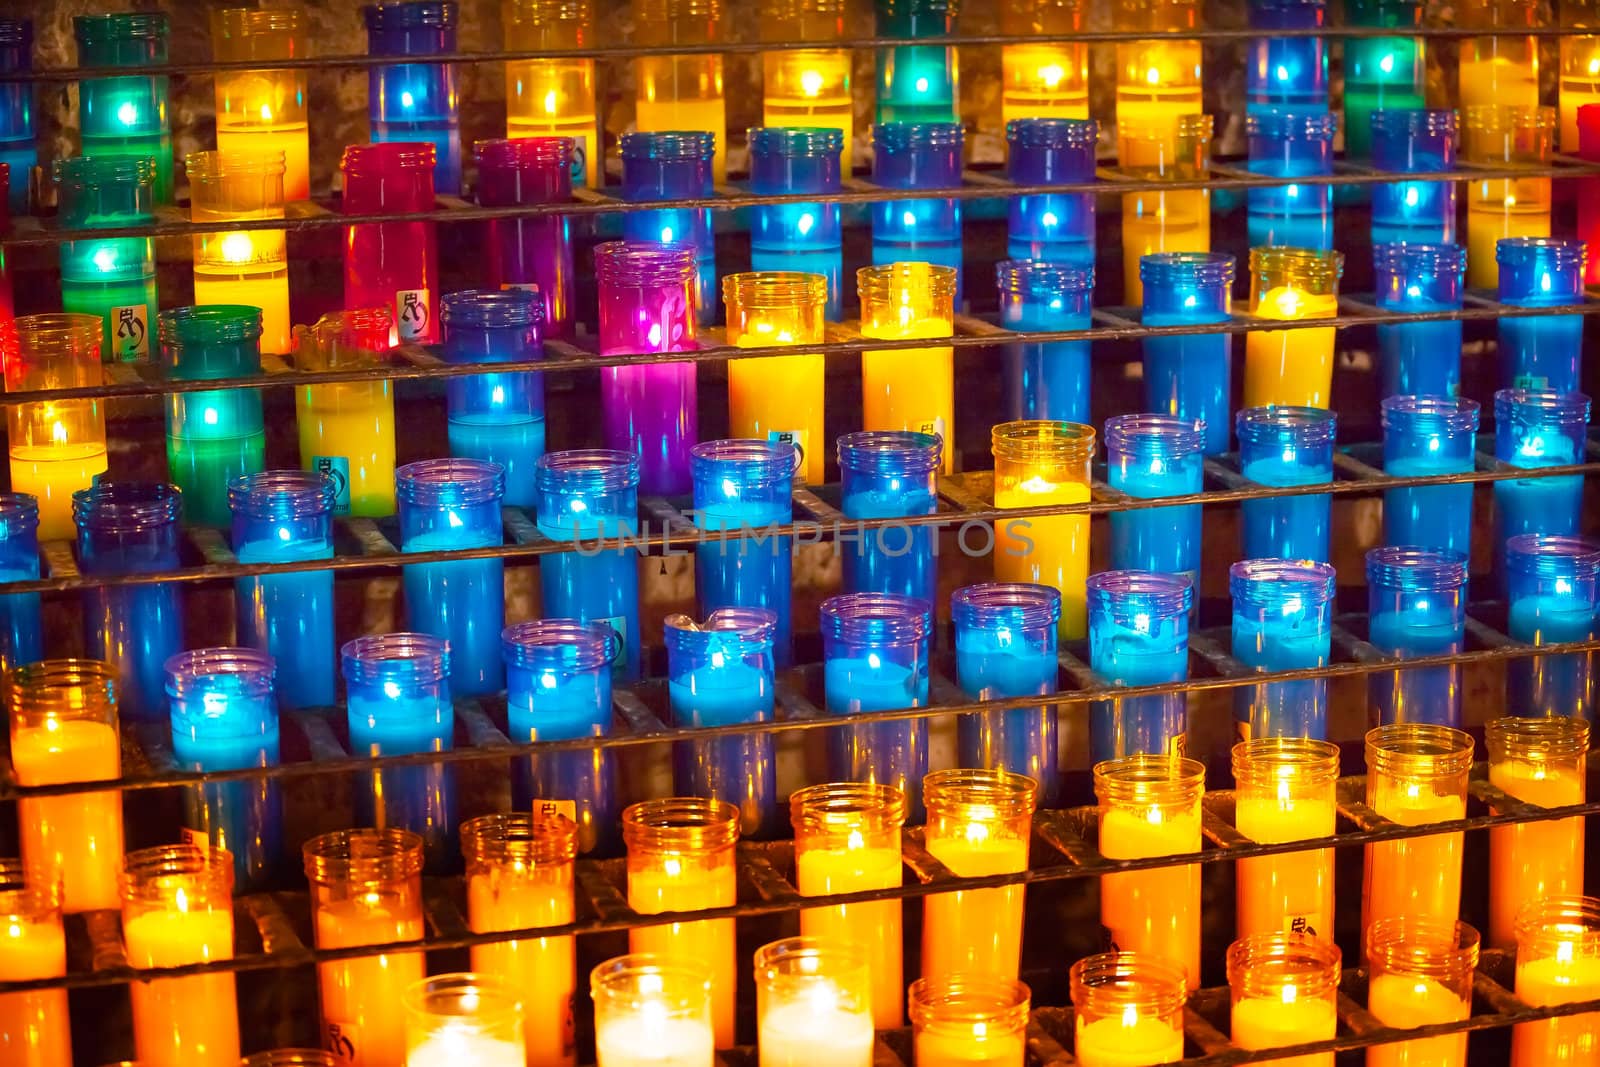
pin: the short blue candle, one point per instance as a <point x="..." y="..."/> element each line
<point x="497" y="417"/>
<point x="1047" y="379"/>
<point x="131" y="528"/>
<point x="1283" y="447"/>
<point x="720" y="673"/>
<point x="1538" y="429"/>
<point x="1139" y="635"/>
<point x="1416" y="603"/>
<point x="1282" y="621"/>
<point x="558" y="688"/>
<point x="224" y="718"/>
<point x="916" y="83"/>
<point x="1541" y="351"/>
<point x="1414" y="141"/>
<point x="673" y="166"/>
<point x="1289" y="144"/>
<point x="1424" y="436"/>
<point x="804" y="237"/>
<point x="1006" y="647"/>
<point x="416" y="101"/>
<point x="452" y="504"/>
<point x="398" y="703"/>
<point x="1149" y="456"/>
<point x="287" y="517"/>
<point x="1420" y="358"/>
<point x="1287" y="72"/>
<point x="909" y="155"/>
<point x="1053" y="227"/>
<point x="21" y="627"/>
<point x="1554" y="594"/>
<point x="584" y="495"/>
<point x="875" y="658"/>
<point x="890" y="474"/>
<point x="1189" y="376"/>
<point x="17" y="146"/>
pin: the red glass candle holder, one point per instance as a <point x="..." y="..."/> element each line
<point x="392" y="264"/>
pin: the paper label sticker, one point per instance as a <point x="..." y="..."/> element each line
<point x="343" y="1040"/>
<point x="1178" y="746"/>
<point x="1530" y="381"/>
<point x="191" y="836"/>
<point x="933" y="426"/>
<point x="411" y="317"/>
<point x="527" y="287"/>
<point x="1242" y="730"/>
<point x="797" y="438"/>
<point x="337" y="468"/>
<point x="1311" y="923"/>
<point x="130" y="331"/>
<point x="547" y="808"/>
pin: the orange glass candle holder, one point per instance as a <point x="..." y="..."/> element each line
<point x="683" y="91"/>
<point x="34" y="1028"/>
<point x="969" y="1020"/>
<point x="1127" y="1010"/>
<point x="1291" y="368"/>
<point x="908" y="388"/>
<point x="554" y="97"/>
<point x="1502" y="136"/>
<point x="1284" y="791"/>
<point x="807" y="86"/>
<point x="1284" y="990"/>
<point x="1158" y="78"/>
<point x="778" y="398"/>
<point x="57" y="446"/>
<point x="1039" y="462"/>
<point x="263" y="111"/>
<point x="1158" y="220"/>
<point x="248" y="267"/>
<point x="1419" y="973"/>
<point x="1558" y="962"/>
<point x="1043" y="79"/>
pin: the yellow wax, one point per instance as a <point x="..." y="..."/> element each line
<point x="53" y="473"/>
<point x="701" y="113"/>
<point x="1160" y="221"/>
<point x="352" y="421"/>
<point x="1523" y="212"/>
<point x="34" y="1029"/>
<point x="1049" y="550"/>
<point x="555" y="98"/>
<point x="1268" y="1022"/>
<point x="780" y="394"/>
<point x="542" y="969"/>
<point x="1410" y="1001"/>
<point x="289" y="138"/>
<point x="1153" y="911"/>
<point x="1494" y="80"/>
<point x="183" y="1022"/>
<point x="1571" y="1040"/>
<point x="266" y="289"/>
<point x="975" y="931"/>
<point x="1124" y="1041"/>
<point x="814" y="1027"/>
<point x="709" y="943"/>
<point x="361" y="1012"/>
<point x="910" y="388"/>
<point x="1528" y="861"/>
<point x="1290" y="367"/>
<point x="1041" y="82"/>
<point x="1415" y="876"/>
<point x="973" y="1046"/>
<point x="872" y="928"/>
<point x="76" y="839"/>
<point x="580" y="128"/>
<point x="1291" y="891"/>
<point x="1150" y="107"/>
<point x="809" y="87"/>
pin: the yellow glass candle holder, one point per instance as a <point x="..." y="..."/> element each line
<point x="979" y="823"/>
<point x="1284" y="990"/>
<point x="554" y="97"/>
<point x="1038" y="462"/>
<point x="969" y="1020"/>
<point x="681" y="92"/>
<point x="1416" y="775"/>
<point x="519" y="876"/>
<point x="778" y="398"/>
<point x="1150" y="806"/>
<point x="807" y="86"/>
<point x="346" y="429"/>
<point x="57" y="446"/>
<point x="1128" y="1010"/>
<point x="813" y="1004"/>
<point x="1159" y="220"/>
<point x="1558" y="962"/>
<point x="1420" y="974"/>
<point x="1502" y="70"/>
<point x="1043" y="79"/>
<point x="1284" y="791"/>
<point x="249" y="267"/>
<point x="1543" y="762"/>
<point x="1579" y="82"/>
<point x="909" y="388"/>
<point x="1291" y="368"/>
<point x="681" y="858"/>
<point x="456" y="1019"/>
<point x="1158" y="79"/>
<point x="366" y="889"/>
<point x="847" y="840"/>
<point x="651" y="1012"/>
<point x="1502" y="136"/>
<point x="260" y="112"/>
<point x="177" y="909"/>
<point x="34" y="1028"/>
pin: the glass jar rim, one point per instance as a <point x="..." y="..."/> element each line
<point x="381" y="159"/>
<point x="217" y="164"/>
<point x="1411" y="944"/>
<point x="1042" y="277"/>
<point x="568" y="644"/>
<point x="881" y="281"/>
<point x="587" y="472"/>
<point x="1530" y="738"/>
<point x="1559" y="921"/>
<point x="518" y="153"/>
<point x="1167" y="436"/>
<point x="414" y="658"/>
<point x="840" y="807"/>
<point x="483" y="998"/>
<point x="1052" y="133"/>
<point x="250" y="671"/>
<point x="636" y="263"/>
<point x="362" y="856"/>
<point x="795" y="141"/>
<point x="1268" y="760"/>
<point x="282" y="495"/>
<point x="809" y="958"/>
<point x="1409" y="259"/>
<point x="286" y="1057"/>
<point x="87" y="172"/>
<point x="775" y="289"/>
<point x="1321" y="268"/>
<point x="1553" y="555"/>
<point x="491" y="308"/>
<point x="1500" y="117"/>
<point x="126" y="507"/>
<point x="148" y="874"/>
<point x="1304" y="425"/>
<point x="1187" y="268"/>
<point x="890" y="452"/>
<point x="678" y="986"/>
<point x="1159" y="593"/>
<point x="1418" y="749"/>
<point x="1430" y="414"/>
<point x="1415" y="120"/>
<point x="1280" y="579"/>
<point x="452" y="482"/>
<point x="410" y="14"/>
<point x="1523" y="404"/>
<point x="876" y="618"/>
<point x="1267" y="965"/>
<point x="1042" y="440"/>
<point x="1409" y="568"/>
<point x="975" y="792"/>
<point x="19" y="509"/>
<point x="1023" y="605"/>
<point x="1557" y="253"/>
<point x="668" y="146"/>
<point x="747" y="630"/>
<point x="1152" y="779"/>
<point x="753" y="463"/>
<point x="1128" y="979"/>
<point x="530" y="838"/>
<point x="120" y="26"/>
<point x="910" y="136"/>
<point x="680" y="823"/>
<point x="1291" y="124"/>
<point x="64" y="688"/>
<point x="209" y="324"/>
<point x="964" y="1001"/>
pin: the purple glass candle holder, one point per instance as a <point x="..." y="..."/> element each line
<point x="532" y="252"/>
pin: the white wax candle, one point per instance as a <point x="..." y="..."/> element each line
<point x="457" y="1044"/>
<point x="649" y="1037"/>
<point x="814" y="1027"/>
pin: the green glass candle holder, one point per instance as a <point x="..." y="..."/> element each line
<point x="126" y="116"/>
<point x="112" y="278"/>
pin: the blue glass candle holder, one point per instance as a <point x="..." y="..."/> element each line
<point x="1287" y="72"/>
<point x="287" y="517"/>
<point x="498" y="418"/>
<point x="890" y="474"/>
<point x="1006" y="647"/>
<point x="673" y="166"/>
<point x="1416" y="602"/>
<point x="1046" y="379"/>
<point x="1420" y="358"/>
<point x="1283" y="447"/>
<point x="1541" y="351"/>
<point x="224" y="718"/>
<point x="1189" y="377"/>
<point x="743" y="487"/>
<point x="804" y="237"/>
<point x="875" y="658"/>
<point x="1424" y="436"/>
<point x="397" y="703"/>
<point x="558" y="688"/>
<point x="1139" y="635"/>
<point x="111" y="278"/>
<point x="21" y="626"/>
<point x="131" y="528"/>
<point x="584" y="495"/>
<point x="1149" y="456"/>
<point x="916" y="83"/>
<point x="416" y="101"/>
<point x="1554" y="594"/>
<point x="17" y="146"/>
<point x="720" y="673"/>
<point x="1053" y="227"/>
<point x="1282" y="621"/>
<point x="1414" y="141"/>
<point x="1535" y="429"/>
<point x="446" y="505"/>
<point x="1290" y="144"/>
<point x="908" y="155"/>
<point x="126" y="116"/>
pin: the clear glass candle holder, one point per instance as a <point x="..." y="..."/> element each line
<point x="412" y="101"/>
<point x="920" y="82"/>
<point x="1037" y="463"/>
<point x="1188" y="376"/>
<point x="918" y="155"/>
<point x="1541" y="351"/>
<point x="650" y="1010"/>
<point x="1420" y="358"/>
<point x="1139" y="635"/>
<point x="1287" y="72"/>
<point x="249" y="267"/>
<point x="681" y="91"/>
<point x="1420" y="974"/>
<point x="1155" y="456"/>
<point x="112" y="278"/>
<point x="1285" y="990"/>
<point x="1381" y="72"/>
<point x="1127" y="1009"/>
<point x="1532" y="429"/>
<point x="1426" y="436"/>
<point x="891" y="474"/>
<point x="1558" y="961"/>
<point x="909" y="388"/>
<point x="472" y="1018"/>
<point x="34" y="1026"/>
<point x="969" y="1019"/>
<point x="126" y="116"/>
<point x="1051" y="227"/>
<point x="805" y="236"/>
<point x="263" y="111"/>
<point x="1553" y="585"/>
<point x="392" y="264"/>
<point x="1047" y="78"/>
<point x="1046" y="379"/>
<point x="813" y="1001"/>
<point x="1416" y="600"/>
<point x="807" y="87"/>
<point x="1504" y="135"/>
<point x="499" y="417"/>
<point x="346" y="429"/>
<point x="21" y="625"/>
<point x="533" y="253"/>
<point x="1282" y="621"/>
<point x="1288" y="143"/>
<point x="1292" y="367"/>
<point x="1284" y="791"/>
<point x="673" y="166"/>
<point x="55" y="447"/>
<point x="779" y="399"/>
<point x="1163" y="221"/>
<point x="554" y="97"/>
<point x="1413" y="141"/>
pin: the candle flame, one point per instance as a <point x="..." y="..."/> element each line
<point x="1290" y="993"/>
<point x="1564" y="952"/>
<point x="672" y="866"/>
<point x="180" y="899"/>
<point x="1036" y="484"/>
<point x="855" y="841"/>
<point x="1130" y="1015"/>
<point x="1051" y="76"/>
<point x="237" y="248"/>
<point x="1153" y="76"/>
<point x="550" y="102"/>
<point x="58" y="433"/>
<point x="266" y="112"/>
<point x="978" y="832"/>
<point x="811" y="83"/>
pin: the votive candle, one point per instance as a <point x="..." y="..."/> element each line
<point x="410" y="102"/>
<point x="34" y="1026"/>
<point x="969" y="1020"/>
<point x="1039" y="463"/>
<point x="392" y="264"/>
<point x="890" y="474"/>
<point x="920" y="82"/>
<point x="554" y="97"/>
<point x="1413" y="141"/>
<point x="497" y="417"/>
<point x="1047" y="77"/>
<point x="1558" y="961"/>
<point x="924" y="155"/>
<point x="1503" y="135"/>
<point x="1285" y="991"/>
<point x="1158" y="77"/>
<point x="908" y="388"/>
<point x="1499" y="69"/>
<point x="1284" y="446"/>
<point x="1286" y="143"/>
<point x="779" y="399"/>
<point x="1189" y="377"/>
<point x="1428" y="436"/>
<point x="681" y="91"/>
<point x="1285" y="791"/>
<point x="18" y="151"/>
<point x="57" y="447"/>
<point x="1381" y="72"/>
<point x="111" y="278"/>
<point x="1532" y="429"/>
<point x="464" y="1018"/>
<point x="1553" y="585"/>
<point x="126" y="116"/>
<point x="1295" y="366"/>
<point x="651" y="1012"/>
<point x="1127" y="1009"/>
<point x="1416" y="602"/>
<point x="806" y="236"/>
<point x="1053" y="227"/>
<point x="1151" y="456"/>
<point x="1156" y="221"/>
<point x="1046" y="379"/>
<point x="744" y="487"/>
<point x="21" y="625"/>
<point x="672" y="166"/>
<point x="1419" y="358"/>
<point x="807" y="87"/>
<point x="1287" y="72"/>
<point x="347" y="429"/>
<point x="1420" y="974"/>
<point x="263" y="111"/>
<point x="241" y="266"/>
<point x="1540" y="351"/>
<point x="1139" y="635"/>
<point x="813" y="1001"/>
<point x="1282" y="621"/>
<point x="532" y="252"/>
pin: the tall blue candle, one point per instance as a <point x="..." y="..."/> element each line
<point x="1189" y="376"/>
<point x="17" y="147"/>
<point x="909" y="155"/>
<point x="1139" y="635"/>
<point x="1006" y="647"/>
<point x="131" y="528"/>
<point x="1416" y="603"/>
<point x="1535" y="429"/>
<point x="1282" y="621"/>
<point x="21" y="627"/>
<point x="287" y="517"/>
<point x="875" y="658"/>
<point x="1287" y="72"/>
<point x="452" y="504"/>
<point x="1424" y="436"/>
<point x="1283" y="447"/>
<point x="1046" y="379"/>
<point x="917" y="83"/>
<point x="1554" y="593"/>
<point x="1541" y="351"/>
<point x="416" y="101"/>
<point x="1414" y="141"/>
<point x="1289" y="144"/>
<point x="497" y="417"/>
<point x="1420" y="358"/>
<point x="720" y="672"/>
<point x="224" y="718"/>
<point x="584" y="495"/>
<point x="804" y="237"/>
<point x="890" y="474"/>
<point x="1150" y="456"/>
<point x="673" y="166"/>
<point x="1054" y="227"/>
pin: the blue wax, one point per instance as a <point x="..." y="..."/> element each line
<point x="926" y="231"/>
<point x="547" y="705"/>
<point x="739" y="769"/>
<point x="1020" y="739"/>
<point x="1302" y="220"/>
<point x="515" y="445"/>
<point x="770" y="251"/>
<point x="1415" y="212"/>
<point x="137" y="628"/>
<point x="1288" y="527"/>
<point x="1430" y="694"/>
<point x="462" y="601"/>
<point x="750" y="571"/>
<point x="1046" y="380"/>
<point x="891" y="559"/>
<point x="596" y="587"/>
<point x="419" y="798"/>
<point x="443" y="134"/>
<point x="1123" y="656"/>
<point x="1537" y="505"/>
<point x="21" y="628"/>
<point x="1552" y="685"/>
<point x="290" y="616"/>
<point x="891" y="753"/>
<point x="1428" y="516"/>
<point x="1053" y="228"/>
<point x="243" y="816"/>
<point x="1286" y="641"/>
<point x="916" y="83"/>
<point x="1541" y="352"/>
<point x="1188" y="377"/>
<point x="1421" y="358"/>
<point x="1166" y="540"/>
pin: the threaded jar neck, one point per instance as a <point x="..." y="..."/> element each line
<point x="1541" y="406"/>
<point x="1418" y="750"/>
<point x="445" y="483"/>
<point x="906" y="283"/>
<point x="1109" y="983"/>
<point x="1540" y="739"/>
<point x="1302" y="427"/>
<point x="1051" y="133"/>
<point x="1553" y="556"/>
<point x="1414" y="122"/>
<point x="893" y="452"/>
<point x="126" y="507"/>
<point x="842" y="808"/>
<point x="893" y="137"/>
<point x="408" y="659"/>
<point x="963" y="1003"/>
<point x="1430" y="416"/>
<point x="1400" y="260"/>
<point x="364" y="857"/>
<point x="201" y="874"/>
<point x="979" y="795"/>
<point x="1316" y="270"/>
<point x="1282" y="583"/>
<point x="1008" y="605"/>
<point x="596" y="471"/>
<point x="801" y="142"/>
<point x="1297" y="763"/>
<point x="1041" y="280"/>
<point x="1154" y="436"/>
<point x="876" y="619"/>
<point x="775" y="290"/>
<point x="1187" y="270"/>
<point x="525" y="153"/>
<point x="1127" y="595"/>
<point x="282" y="495"/>
<point x="680" y="824"/>
<point x="244" y="672"/>
<point x="1416" y="570"/>
<point x="747" y="462"/>
<point x="389" y="159"/>
<point x="208" y="324"/>
<point x="626" y="263"/>
<point x="1275" y="966"/>
<point x="519" y="838"/>
<point x="673" y="146"/>
<point x="1291" y="124"/>
<point x="1043" y="441"/>
<point x="65" y="689"/>
<point x="1559" y="926"/>
<point x="559" y="644"/>
<point x="1149" y="781"/>
<point x="1446" y="951"/>
<point x="491" y="309"/>
<point x="738" y="631"/>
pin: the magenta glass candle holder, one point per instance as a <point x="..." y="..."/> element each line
<point x="533" y="252"/>
<point x="392" y="264"/>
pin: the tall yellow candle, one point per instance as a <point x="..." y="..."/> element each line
<point x="1179" y="220"/>
<point x="263" y="111"/>
<point x="1285" y="792"/>
<point x="347" y="428"/>
<point x="778" y="398"/>
<point x="1291" y="368"/>
<point x="1043" y="79"/>
<point x="454" y="1020"/>
<point x="1579" y="82"/>
<point x="57" y="446"/>
<point x="1558" y="962"/>
<point x="1284" y="989"/>
<point x="1501" y="135"/>
<point x="555" y="97"/>
<point x="909" y="388"/>
<point x="807" y="86"/>
<point x="1499" y="69"/>
<point x="969" y="1020"/>
<point x="1127" y="1010"/>
<point x="34" y="1030"/>
<point x="813" y="1004"/>
<point x="1420" y="974"/>
<point x="681" y="92"/>
<point x="249" y="267"/>
<point x="1039" y="463"/>
<point x="1158" y="79"/>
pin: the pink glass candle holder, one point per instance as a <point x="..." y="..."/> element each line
<point x="392" y="264"/>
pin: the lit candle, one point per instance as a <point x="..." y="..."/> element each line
<point x="263" y="111"/>
<point x="1540" y="351"/>
<point x="1416" y="606"/>
<point x="1420" y="358"/>
<point x="1558" y="962"/>
<point x="1503" y="135"/>
<point x="1189" y="377"/>
<point x="926" y="155"/>
<point x="1288" y="72"/>
<point x="1499" y="70"/>
<point x="1291" y="367"/>
<point x="1416" y="141"/>
<point x="1128" y="1010"/>
<point x="1155" y="456"/>
<point x="1579" y="83"/>
<point x="682" y="91"/>
<point x="1285" y="991"/>
<point x="57" y="447"/>
<point x="813" y="1004"/>
<point x="1425" y="436"/>
<point x="126" y="116"/>
<point x="1039" y="463"/>
<point x="669" y="166"/>
<point x="21" y="625"/>
<point x="455" y="1019"/>
<point x="111" y="278"/>
<point x="1139" y="635"/>
<point x="807" y="87"/>
<point x="969" y="1020"/>
<point x="745" y="485"/>
<point x="1420" y="974"/>
<point x="412" y="102"/>
<point x="778" y="399"/>
<point x="1380" y="72"/>
<point x="1159" y="220"/>
<point x="392" y="264"/>
<point x="890" y="474"/>
<point x="917" y="83"/>
<point x="18" y="150"/>
<point x="1282" y="620"/>
<point x="650" y="1012"/>
<point x="908" y="388"/>
<point x="1285" y="792"/>
<point x="554" y="97"/>
<point x="1536" y="428"/>
<point x="803" y="237"/>
<point x="347" y="428"/>
<point x="249" y="267"/>
<point x="1553" y="585"/>
<point x="1285" y="143"/>
<point x="1048" y="78"/>
<point x="1053" y="227"/>
<point x="1158" y="78"/>
<point x="33" y="944"/>
<point x="1048" y="379"/>
<point x="532" y="252"/>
